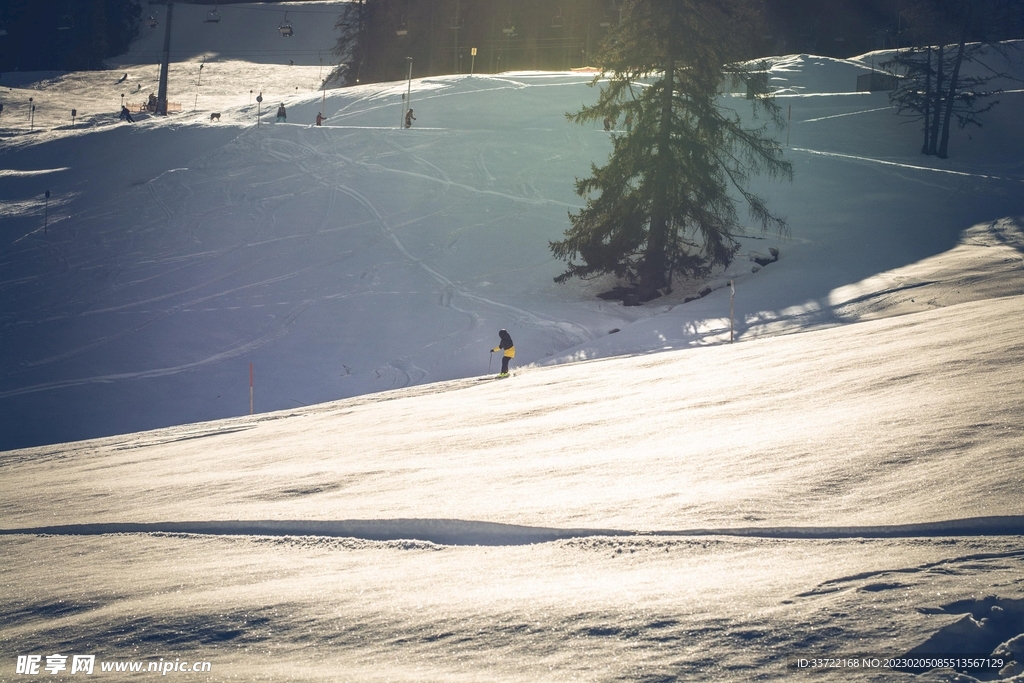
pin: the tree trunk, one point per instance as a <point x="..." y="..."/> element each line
<point x="937" y="107"/>
<point x="951" y="94"/>
<point x="927" y="101"/>
<point x="653" y="275"/>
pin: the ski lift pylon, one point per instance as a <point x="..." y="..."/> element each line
<point x="212" y="17"/>
<point x="457" y="22"/>
<point x="285" y="27"/>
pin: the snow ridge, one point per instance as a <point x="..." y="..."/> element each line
<point x="463" y="532"/>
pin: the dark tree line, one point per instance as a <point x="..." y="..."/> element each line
<point x="65" y="34"/>
<point x="941" y="37"/>
<point x="376" y="36"/>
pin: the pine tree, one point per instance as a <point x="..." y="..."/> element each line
<point x="665" y="204"/>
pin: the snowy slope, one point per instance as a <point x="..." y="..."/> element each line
<point x="357" y="257"/>
<point x="843" y="481"/>
<point x="707" y="513"/>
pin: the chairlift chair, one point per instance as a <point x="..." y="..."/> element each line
<point x="402" y="30"/>
<point x="558" y="21"/>
<point x="3" y="26"/>
<point x="66" y="20"/>
<point x="285" y="28"/>
<point x="151" y="21"/>
<point x="212" y="17"/>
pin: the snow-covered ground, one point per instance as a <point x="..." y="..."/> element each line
<point x="844" y="481"/>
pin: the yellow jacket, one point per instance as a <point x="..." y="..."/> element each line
<point x="510" y="351"/>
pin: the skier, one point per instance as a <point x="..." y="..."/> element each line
<point x="509" y="351"/>
<point x="609" y="122"/>
<point x="319" y="119"/>
<point x="409" y="118"/>
<point x="126" y="115"/>
<point x="282" y="115"/>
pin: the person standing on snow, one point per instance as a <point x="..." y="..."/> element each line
<point x="319" y="119"/>
<point x="509" y="351"/>
<point x="282" y="116"/>
<point x="409" y="118"/>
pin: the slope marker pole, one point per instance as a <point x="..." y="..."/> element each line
<point x="732" y="308"/>
<point x="250" y="388"/>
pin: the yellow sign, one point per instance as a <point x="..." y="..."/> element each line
<point x="473" y="52"/>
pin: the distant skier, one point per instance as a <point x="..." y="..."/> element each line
<point x="409" y="118"/>
<point x="126" y="115"/>
<point x="509" y="351"/>
<point x="609" y="123"/>
<point x="319" y="119"/>
<point x="282" y="115"/>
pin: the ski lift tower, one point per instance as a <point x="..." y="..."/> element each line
<point x="165" y="63"/>
<point x="456" y="23"/>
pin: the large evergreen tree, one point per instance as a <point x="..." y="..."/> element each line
<point x="666" y="202"/>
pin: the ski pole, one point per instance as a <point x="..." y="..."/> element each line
<point x="489" y="359"/>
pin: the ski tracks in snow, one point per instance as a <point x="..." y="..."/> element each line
<point x="279" y="331"/>
<point x="912" y="167"/>
<point x="567" y="333"/>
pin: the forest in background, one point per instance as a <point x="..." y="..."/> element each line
<point x="377" y="36"/>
